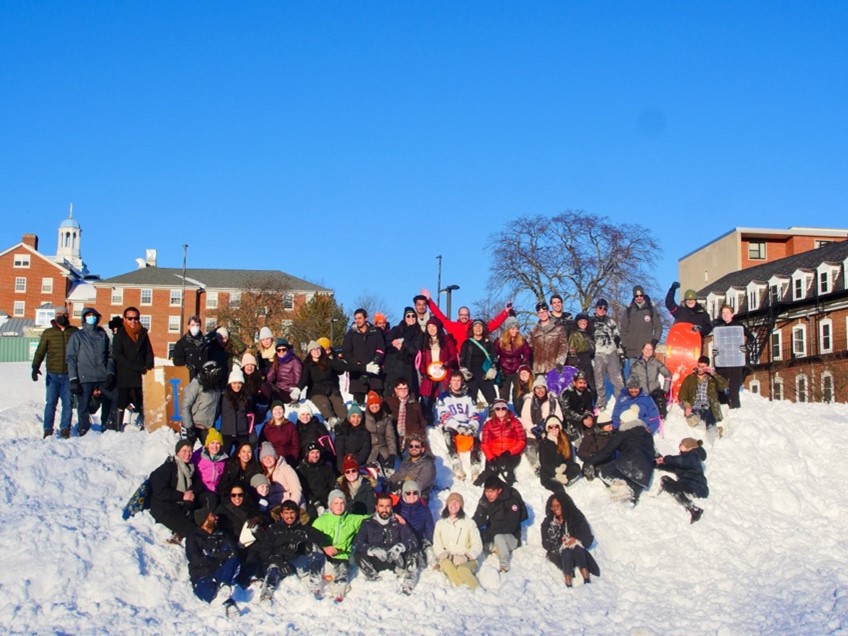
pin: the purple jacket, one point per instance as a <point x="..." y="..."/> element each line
<point x="285" y="372"/>
<point x="509" y="361"/>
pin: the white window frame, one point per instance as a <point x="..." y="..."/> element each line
<point x="824" y="281"/>
<point x="798" y="288"/>
<point x="777" y="388"/>
<point x="827" y="379"/>
<point x="211" y="300"/>
<point x="754" y="387"/>
<point x="19" y="308"/>
<point x="20" y="284"/>
<point x="146" y="321"/>
<point x="235" y="299"/>
<point x="174" y="325"/>
<point x="802" y="388"/>
<point x="761" y="251"/>
<point x="821" y="243"/>
<point x="753" y="299"/>
<point x="288" y="302"/>
<point x="826" y="336"/>
<point x="21" y="261"/>
<point x="210" y="324"/>
<point x="146" y="291"/>
<point x="175" y="298"/>
<point x="802" y="351"/>
<point x="117" y="296"/>
<point x="776" y="351"/>
<point x="77" y="311"/>
<point x="47" y="285"/>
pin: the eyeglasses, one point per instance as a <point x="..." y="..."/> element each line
<point x="415" y="446"/>
<point x="237" y="495"/>
<point x="411" y="492"/>
<point x="282" y="348"/>
<point x="351" y="471"/>
<point x="131" y="318"/>
<point x="500" y="408"/>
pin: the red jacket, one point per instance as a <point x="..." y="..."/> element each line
<point x="502" y="435"/>
<point x="459" y="330"/>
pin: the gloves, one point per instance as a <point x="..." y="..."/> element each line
<point x="396" y="551"/>
<point x="466" y="374"/>
<point x="509" y="306"/>
<point x="538" y="431"/>
<point x="377" y="553"/>
<point x="675" y="285"/>
<point x="617" y="341"/>
<point x="589" y="471"/>
<point x="561" y="479"/>
<point x="459" y="559"/>
<point x="110" y="382"/>
<point x="373" y="368"/>
<point x="294" y="394"/>
<point x="491" y="373"/>
<point x="559" y="367"/>
<point x="76" y="387"/>
<point x="464" y="429"/>
<point x="35" y="374"/>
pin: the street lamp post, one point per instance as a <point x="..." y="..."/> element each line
<point x="333" y="322"/>
<point x="448" y="291"/>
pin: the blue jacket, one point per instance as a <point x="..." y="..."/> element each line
<point x="418" y="516"/>
<point x="689" y="470"/>
<point x="373" y="534"/>
<point x="648" y="412"/>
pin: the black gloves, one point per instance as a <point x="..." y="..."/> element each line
<point x="675" y="285"/>
<point x="35" y="374"/>
<point x="76" y="387"/>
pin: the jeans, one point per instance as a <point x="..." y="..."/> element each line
<point x="207" y="588"/>
<point x="58" y="388"/>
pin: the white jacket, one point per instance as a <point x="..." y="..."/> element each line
<point x="457" y="536"/>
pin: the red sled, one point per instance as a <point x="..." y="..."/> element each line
<point x="682" y="350"/>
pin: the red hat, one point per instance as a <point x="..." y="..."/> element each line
<point x="373" y="398"/>
<point x="349" y="463"/>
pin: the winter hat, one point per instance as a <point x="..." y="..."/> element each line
<point x="638" y="289"/>
<point x="282" y="342"/>
<point x="524" y="367"/>
<point x="324" y="342"/>
<point x="313" y="344"/>
<point x="304" y="408"/>
<point x="200" y="516"/>
<point x="248" y="358"/>
<point x="115" y="322"/>
<point x="499" y="402"/>
<point x="267" y="450"/>
<point x="379" y="317"/>
<point x="690" y="294"/>
<point x="64" y="311"/>
<point x="277" y="403"/>
<point x="312" y="446"/>
<point x="602" y="302"/>
<point x="630" y="419"/>
<point x="579" y="375"/>
<point x="690" y="443"/>
<point x="581" y="316"/>
<point x="213" y="435"/>
<point x="540" y="381"/>
<point x="510" y="322"/>
<point x="349" y="463"/>
<point x="553" y="419"/>
<point x="542" y="305"/>
<point x="435" y="321"/>
<point x="415" y="437"/>
<point x="354" y="409"/>
<point x="633" y="382"/>
<point x="259" y="480"/>
<point x="477" y="321"/>
<point x="235" y="376"/>
<point x="410" y="485"/>
<point x="408" y="310"/>
<point x="264" y="333"/>
<point x="373" y="398"/>
<point x="455" y="496"/>
<point x="335" y="494"/>
<point x="181" y="443"/>
<point x="601" y="424"/>
<point x="223" y="332"/>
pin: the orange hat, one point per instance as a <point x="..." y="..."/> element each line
<point x="373" y="398"/>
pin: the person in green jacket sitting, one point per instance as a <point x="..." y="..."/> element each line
<point x="341" y="527"/>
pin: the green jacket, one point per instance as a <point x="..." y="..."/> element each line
<point x="689" y="389"/>
<point x="341" y="529"/>
<point x="53" y="345"/>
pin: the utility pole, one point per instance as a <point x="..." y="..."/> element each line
<point x="182" y="298"/>
<point x="439" y="282"/>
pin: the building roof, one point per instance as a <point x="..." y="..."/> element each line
<point x="832" y="252"/>
<point x="210" y="279"/>
<point x="16" y="326"/>
<point x="775" y="233"/>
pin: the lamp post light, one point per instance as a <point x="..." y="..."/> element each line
<point x="448" y="291"/>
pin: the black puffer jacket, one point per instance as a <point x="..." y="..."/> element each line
<point x="207" y="552"/>
<point x="636" y="454"/>
<point x="355" y="440"/>
<point x="502" y="516"/>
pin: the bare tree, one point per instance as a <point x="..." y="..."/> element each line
<point x="265" y="301"/>
<point x="372" y="302"/>
<point x="321" y="316"/>
<point x="578" y="255"/>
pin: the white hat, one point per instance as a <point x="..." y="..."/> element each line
<point x="236" y="376"/>
<point x="225" y="333"/>
<point x="265" y="332"/>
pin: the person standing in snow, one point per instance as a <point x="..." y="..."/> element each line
<point x="53" y="345"/>
<point x="192" y="350"/>
<point x="690" y="310"/>
<point x="698" y="397"/>
<point x="133" y="356"/>
<point x="607" y="362"/>
<point x="689" y="469"/>
<point x="548" y="342"/>
<point x="640" y="323"/>
<point x="90" y="369"/>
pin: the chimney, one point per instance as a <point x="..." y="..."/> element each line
<point x="31" y="240"/>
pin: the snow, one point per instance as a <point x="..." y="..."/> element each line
<point x="769" y="555"/>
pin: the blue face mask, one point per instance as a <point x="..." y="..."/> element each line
<point x="91" y="319"/>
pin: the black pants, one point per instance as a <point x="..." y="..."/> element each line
<point x="733" y="375"/>
<point x="566" y="560"/>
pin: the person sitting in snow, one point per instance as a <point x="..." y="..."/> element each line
<point x="317" y="478"/>
<point x="341" y="528"/>
<point x="213" y="564"/>
<point x="414" y="510"/>
<point x="499" y="515"/>
<point x="387" y="542"/>
<point x="457" y="543"/>
<point x="576" y="401"/>
<point x="698" y="396"/>
<point x="648" y="369"/>
<point x="358" y="488"/>
<point x="689" y="469"/>
<point x="633" y="394"/>
<point x="566" y="537"/>
<point x="502" y="443"/>
<point x="556" y="457"/>
<point x="456" y="414"/>
<point x="537" y="408"/>
<point x="419" y="466"/>
<point x="596" y="435"/>
<point x="175" y="487"/>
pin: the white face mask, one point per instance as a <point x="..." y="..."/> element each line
<point x="194" y="330"/>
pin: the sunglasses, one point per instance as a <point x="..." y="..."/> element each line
<point x="131" y="318"/>
<point x="600" y="308"/>
<point x="415" y="446"/>
<point x="351" y="471"/>
<point x="237" y="495"/>
<point x="500" y="408"/>
<point x="282" y="348"/>
<point x="638" y="295"/>
<point x="412" y="492"/>
<point x="553" y="427"/>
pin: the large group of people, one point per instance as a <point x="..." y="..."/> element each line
<point x="257" y="495"/>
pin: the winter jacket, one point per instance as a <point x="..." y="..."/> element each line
<point x="459" y="330"/>
<point x="400" y="363"/>
<point x="606" y="334"/>
<point x="199" y="408"/>
<point x="649" y="371"/>
<point x="341" y="530"/>
<point x="422" y="471"/>
<point x="284" y="475"/>
<point x="236" y="418"/>
<point x="593" y="440"/>
<point x="314" y="431"/>
<point x="285" y="373"/>
<point x="635" y="458"/>
<point x="132" y="359"/>
<point x="235" y="475"/>
<point x="320" y="380"/>
<point x="191" y="352"/>
<point x="163" y="487"/>
<point x="228" y="355"/>
<point x="419" y="517"/>
<point x="364" y="500"/>
<point x="458" y="411"/>
<point x="574" y="525"/>
<point x="549" y="344"/>
<point x="54" y="346"/>
<point x="448" y="358"/>
<point x="457" y="537"/>
<point x="358" y="349"/>
<point x="689" y="390"/>
<point x="509" y="359"/>
<point x="640" y="324"/>
<point x="285" y="438"/>
<point x="502" y="436"/>
<point x="317" y="481"/>
<point x="681" y="313"/>
<point x="648" y="411"/>
<point x="88" y="355"/>
<point x="574" y="404"/>
<point x="502" y="516"/>
<point x="207" y="552"/>
<point x="689" y="469"/>
<point x="473" y="358"/>
<point x="415" y="422"/>
<point x="355" y="440"/>
<point x="231" y="518"/>
<point x="375" y="534"/>
<point x="534" y="411"/>
<point x="550" y="459"/>
<point x="209" y="469"/>
<point x="383" y="440"/>
<point x="282" y="543"/>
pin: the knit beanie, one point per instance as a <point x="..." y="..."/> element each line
<point x="264" y="333"/>
<point x="335" y="494"/>
<point x="373" y="398"/>
<point x="181" y="443"/>
<point x="690" y="443"/>
<point x="410" y="485"/>
<point x="258" y="480"/>
<point x="349" y="463"/>
<point x="354" y="409"/>
<point x="455" y="496"/>
<point x="213" y="435"/>
<point x="248" y="358"/>
<point x="200" y="516"/>
<point x="235" y="376"/>
<point x="267" y="450"/>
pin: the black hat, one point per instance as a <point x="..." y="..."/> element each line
<point x="181" y="443"/>
<point x="581" y="316"/>
<point x="602" y="302"/>
<point x="541" y="305"/>
<point x="200" y="515"/>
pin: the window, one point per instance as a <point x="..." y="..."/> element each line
<point x="731" y="300"/>
<point x="77" y="311"/>
<point x="288" y="301"/>
<point x="145" y="321"/>
<point x="146" y="296"/>
<point x="20" y="284"/>
<point x="753" y="300"/>
<point x="235" y="299"/>
<point x="826" y="336"/>
<point x="46" y="285"/>
<point x="824" y="282"/>
<point x="801" y="388"/>
<point x="117" y="296"/>
<point x="820" y="243"/>
<point x="774" y="294"/>
<point x="210" y="324"/>
<point x="173" y="324"/>
<point x="776" y="346"/>
<point x="777" y="389"/>
<point x="799" y="341"/>
<point x="19" y="308"/>
<point x="754" y="387"/>
<point x="21" y="261"/>
<point x="212" y="300"/>
<point x="757" y="250"/>
<point x="827" y="387"/>
<point x="798" y="288"/>
<point x="176" y="297"/>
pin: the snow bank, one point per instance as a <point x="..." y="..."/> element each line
<point x="768" y="556"/>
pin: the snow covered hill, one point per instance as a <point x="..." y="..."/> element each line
<point x="769" y="556"/>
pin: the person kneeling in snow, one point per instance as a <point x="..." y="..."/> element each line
<point x="499" y="514"/>
<point x="212" y="561"/>
<point x="566" y="537"/>
<point x="341" y="527"/>
<point x="415" y="512"/>
<point x="385" y="541"/>
<point x="698" y="396"/>
<point x="690" y="475"/>
<point x="288" y="547"/>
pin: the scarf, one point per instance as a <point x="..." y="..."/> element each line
<point x="401" y="420"/>
<point x="184" y="475"/>
<point x="133" y="329"/>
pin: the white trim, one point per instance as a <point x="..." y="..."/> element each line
<point x="799" y="352"/>
<point x="211" y="299"/>
<point x="20" y="284"/>
<point x="174" y="325"/>
<point x="754" y="387"/>
<point x="21" y="261"/>
<point x="47" y="288"/>
<point x="146" y="321"/>
<point x="116" y="297"/>
<point x="777" y="382"/>
<point x="802" y="392"/>
<point x="19" y="308"/>
<point x="65" y="271"/>
<point x="776" y="351"/>
<point x="141" y="300"/>
<point x="826" y="325"/>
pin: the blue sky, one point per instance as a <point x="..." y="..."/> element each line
<point x="352" y="143"/>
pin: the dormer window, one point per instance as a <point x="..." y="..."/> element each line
<point x="757" y="250"/>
